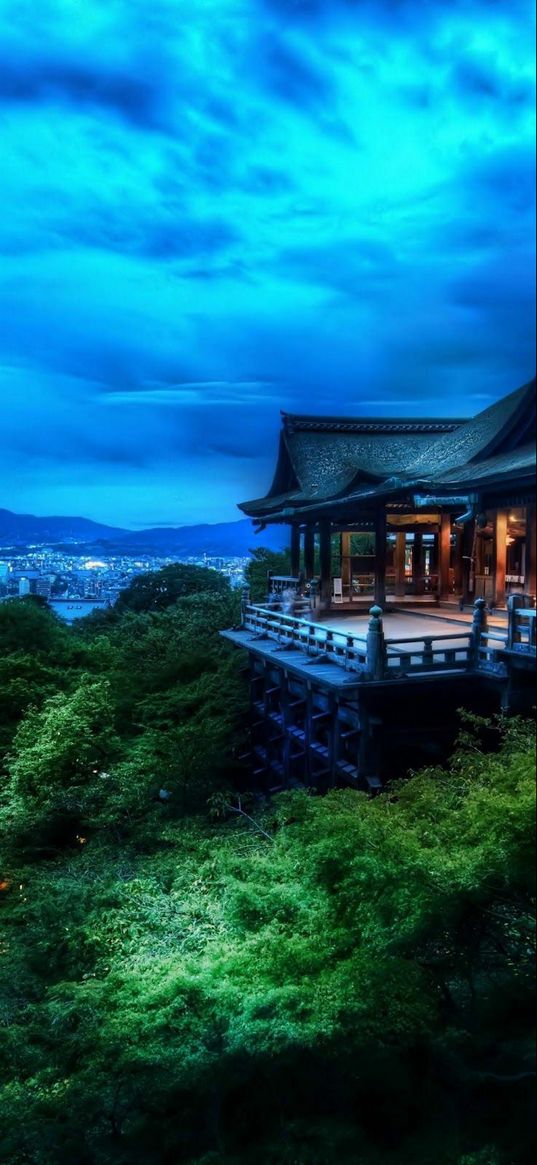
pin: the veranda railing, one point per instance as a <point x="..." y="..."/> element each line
<point x="372" y="654"/>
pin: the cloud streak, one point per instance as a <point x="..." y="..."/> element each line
<point x="216" y="211"/>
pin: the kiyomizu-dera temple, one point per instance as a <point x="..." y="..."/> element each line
<point x="404" y="510"/>
<point x="409" y="538"/>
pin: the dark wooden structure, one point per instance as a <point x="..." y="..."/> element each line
<point x="330" y="706"/>
<point x="403" y="514"/>
<point x="447" y="506"/>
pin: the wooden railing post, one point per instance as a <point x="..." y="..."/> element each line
<point x="428" y="657"/>
<point x="514" y="604"/>
<point x="349" y="649"/>
<point x="245" y="603"/>
<point x="479" y="625"/>
<point x="376" y="645"/>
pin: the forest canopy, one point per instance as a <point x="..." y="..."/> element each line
<point x="191" y="973"/>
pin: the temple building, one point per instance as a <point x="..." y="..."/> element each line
<point x="445" y="508"/>
<point x="411" y="593"/>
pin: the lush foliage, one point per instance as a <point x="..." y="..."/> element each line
<point x="188" y="976"/>
<point x="162" y="588"/>
<point x="261" y="563"/>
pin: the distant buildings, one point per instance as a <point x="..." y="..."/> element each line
<point x="74" y="584"/>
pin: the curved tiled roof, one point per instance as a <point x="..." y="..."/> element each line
<point x="327" y="462"/>
<point x="324" y="458"/>
<point x="519" y="461"/>
<point x="478" y="437"/>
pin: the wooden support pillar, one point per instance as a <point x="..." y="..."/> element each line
<point x="530" y="580"/>
<point x="458" y="563"/>
<point x="444" y="555"/>
<point x="400" y="555"/>
<point x="380" y="556"/>
<point x="433" y="555"/>
<point x="346" y="561"/>
<point x="286" y="721"/>
<point x="468" y="546"/>
<point x="308" y="736"/>
<point x="325" y="554"/>
<point x="417" y="563"/>
<point x="479" y="556"/>
<point x="500" y="557"/>
<point x="309" y="552"/>
<point x="333" y="732"/>
<point x="367" y="761"/>
<point x="295" y="551"/>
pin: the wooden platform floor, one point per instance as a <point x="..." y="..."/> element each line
<point x="330" y="675"/>
<point x="401" y="624"/>
<point x="498" y="620"/>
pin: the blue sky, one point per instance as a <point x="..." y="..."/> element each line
<point x="216" y="209"/>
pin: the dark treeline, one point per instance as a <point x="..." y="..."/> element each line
<point x="191" y="974"/>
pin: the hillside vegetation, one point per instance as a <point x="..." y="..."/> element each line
<point x="191" y="974"/>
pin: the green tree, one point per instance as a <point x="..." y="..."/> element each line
<point x="29" y="625"/>
<point x="59" y="754"/>
<point x="301" y="981"/>
<point x="39" y="656"/>
<point x="261" y="563"/>
<point x="161" y="588"/>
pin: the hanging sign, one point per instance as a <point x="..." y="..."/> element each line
<point x="432" y="500"/>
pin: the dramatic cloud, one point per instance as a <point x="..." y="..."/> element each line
<point x="215" y="210"/>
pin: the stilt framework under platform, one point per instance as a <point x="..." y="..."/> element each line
<point x="332" y="705"/>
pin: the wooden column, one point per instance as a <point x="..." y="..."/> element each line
<point x="346" y="560"/>
<point x="286" y="743"/>
<point x="380" y="557"/>
<point x="332" y="742"/>
<point x="295" y="551"/>
<point x="468" y="545"/>
<point x="433" y="555"/>
<point x="308" y="736"/>
<point x="444" y="555"/>
<point x="417" y="563"/>
<point x="458" y="564"/>
<point x="479" y="557"/>
<point x="530" y="579"/>
<point x="500" y="557"/>
<point x="325" y="554"/>
<point x="400" y="554"/>
<point x="309" y="552"/>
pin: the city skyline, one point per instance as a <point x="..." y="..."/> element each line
<point x="317" y="206"/>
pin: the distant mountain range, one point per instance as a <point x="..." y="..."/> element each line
<point x="228" y="539"/>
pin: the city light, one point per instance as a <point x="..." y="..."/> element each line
<point x="74" y="585"/>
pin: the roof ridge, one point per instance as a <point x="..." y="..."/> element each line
<point x="302" y="424"/>
<point x="369" y="420"/>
